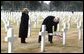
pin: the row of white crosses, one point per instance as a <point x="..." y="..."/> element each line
<point x="78" y="22"/>
<point x="10" y="34"/>
<point x="65" y="23"/>
<point x="12" y="16"/>
<point x="5" y="21"/>
<point x="79" y="26"/>
<point x="37" y="13"/>
<point x="35" y="20"/>
<point x="17" y="15"/>
<point x="33" y="17"/>
<point x="62" y="20"/>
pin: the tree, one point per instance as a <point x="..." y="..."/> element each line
<point x="76" y="5"/>
<point x="56" y="5"/>
<point x="34" y="5"/>
<point x="66" y="5"/>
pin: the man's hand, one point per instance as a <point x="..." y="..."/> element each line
<point x="57" y="34"/>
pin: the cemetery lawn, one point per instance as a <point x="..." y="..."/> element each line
<point x="73" y="45"/>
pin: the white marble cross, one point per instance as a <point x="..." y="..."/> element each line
<point x="29" y="28"/>
<point x="10" y="39"/>
<point x="64" y="33"/>
<point x="43" y="38"/>
<point x="79" y="30"/>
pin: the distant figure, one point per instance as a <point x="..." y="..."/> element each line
<point x="23" y="29"/>
<point x="49" y="21"/>
<point x="72" y="12"/>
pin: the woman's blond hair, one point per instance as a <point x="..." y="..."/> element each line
<point x="25" y="10"/>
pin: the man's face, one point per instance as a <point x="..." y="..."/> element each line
<point x="56" y="19"/>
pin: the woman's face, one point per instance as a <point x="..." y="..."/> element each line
<point x="25" y="10"/>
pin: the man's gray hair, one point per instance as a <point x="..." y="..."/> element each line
<point x="56" y="19"/>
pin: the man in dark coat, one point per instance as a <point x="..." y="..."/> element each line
<point x="23" y="30"/>
<point x="49" y="21"/>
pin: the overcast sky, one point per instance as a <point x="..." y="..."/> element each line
<point x="47" y="2"/>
